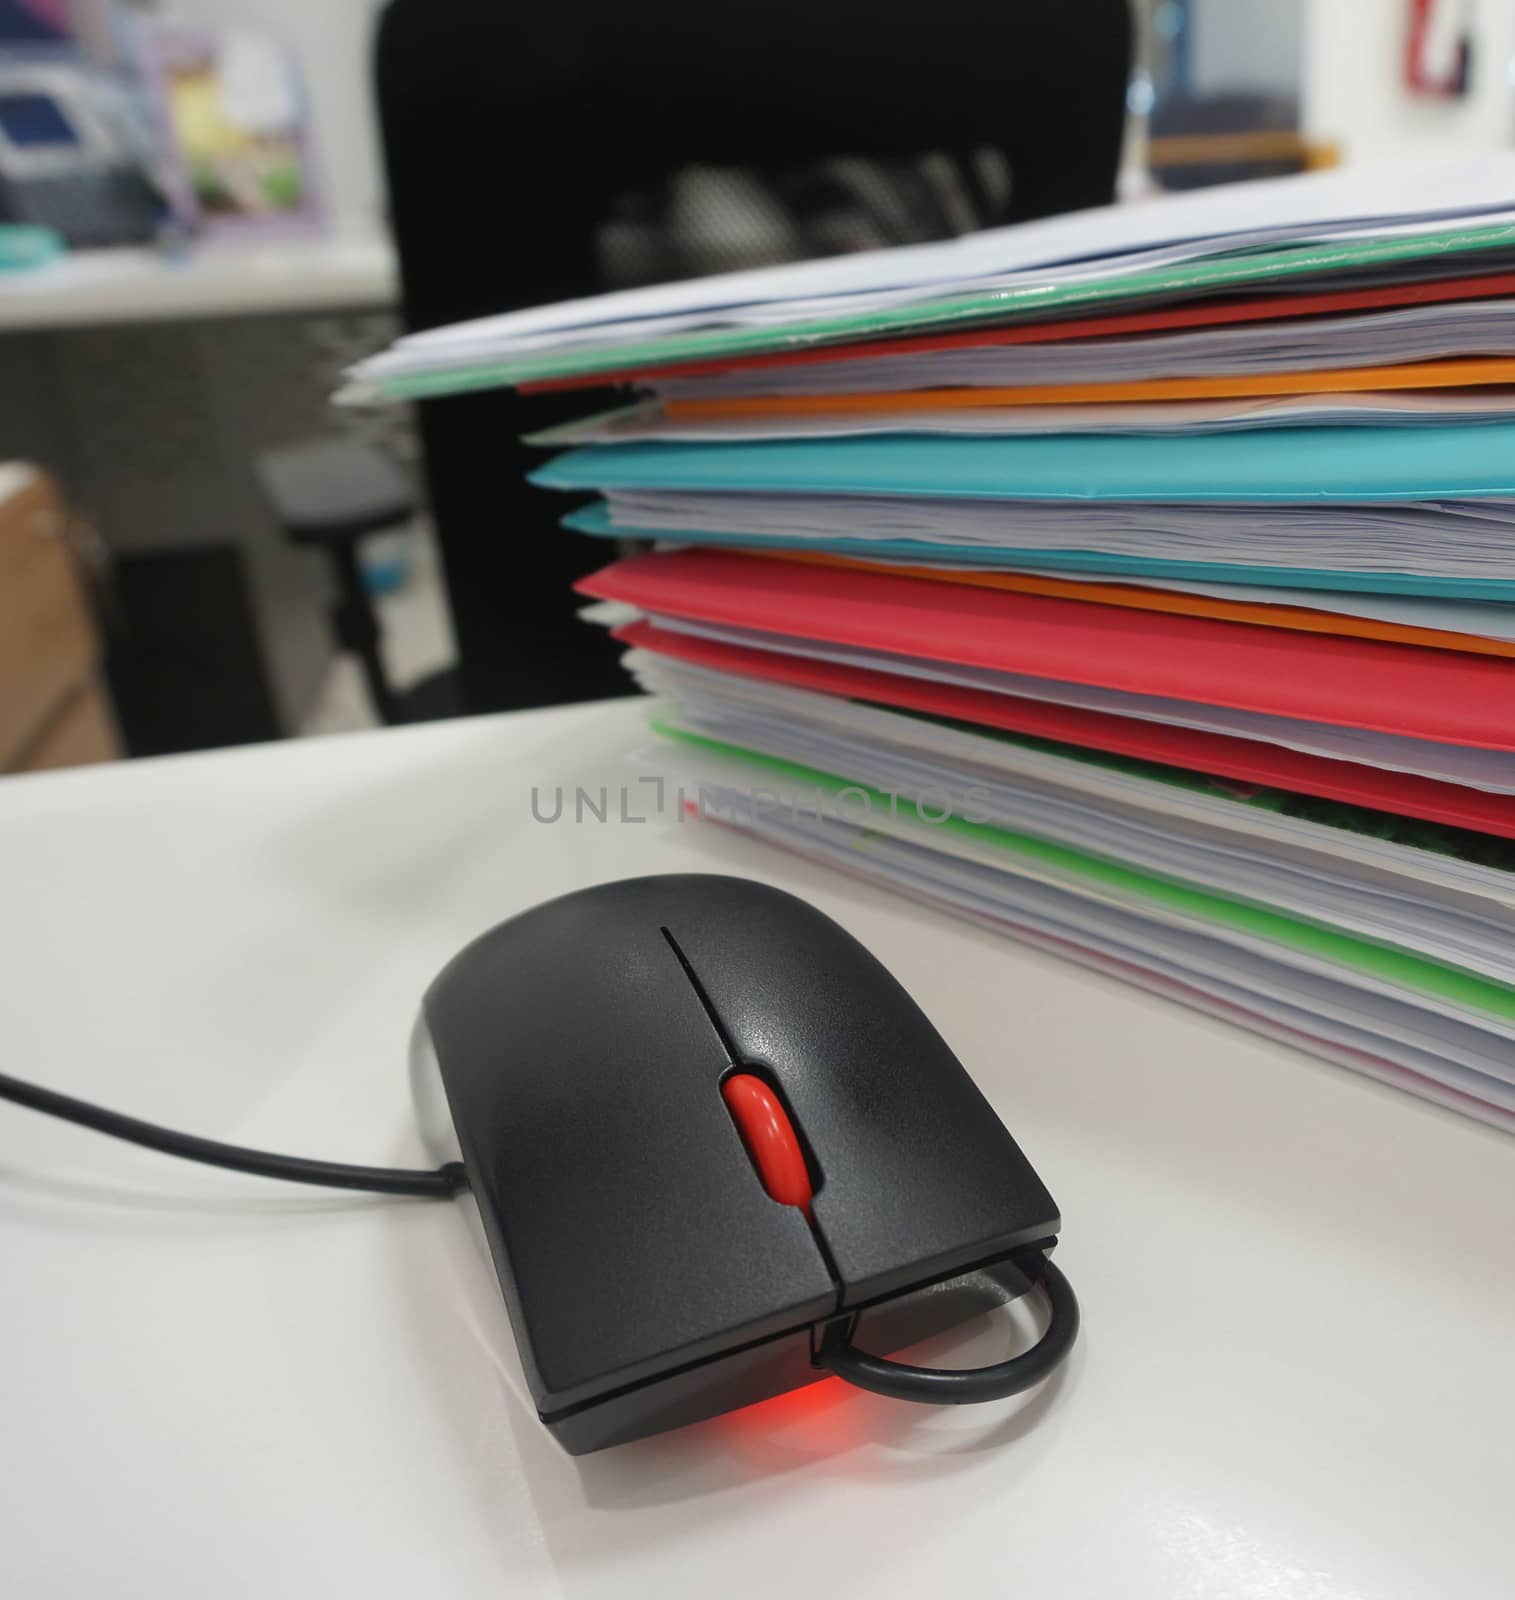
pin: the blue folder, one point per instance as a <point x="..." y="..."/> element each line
<point x="1282" y="465"/>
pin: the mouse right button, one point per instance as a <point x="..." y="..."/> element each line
<point x="917" y="1177"/>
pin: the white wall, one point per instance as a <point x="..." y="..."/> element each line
<point x="1246" y="44"/>
<point x="1354" y="94"/>
<point x="334" y="41"/>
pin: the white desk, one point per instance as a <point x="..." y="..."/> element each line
<point x="1295" y="1378"/>
<point x="330" y="272"/>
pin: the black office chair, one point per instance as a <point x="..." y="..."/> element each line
<point x="510" y="131"/>
<point x="330" y="495"/>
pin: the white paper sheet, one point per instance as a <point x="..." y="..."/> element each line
<point x="1396" y="201"/>
<point x="1490" y="770"/>
<point x="1427" y="538"/>
<point x="1396" y="1041"/>
<point x="1478" y="328"/>
<point x="1465" y="885"/>
<point x="1307" y="869"/>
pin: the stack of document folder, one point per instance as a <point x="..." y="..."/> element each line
<point x="1139" y="583"/>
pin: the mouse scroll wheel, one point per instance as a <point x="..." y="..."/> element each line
<point x="770" y="1139"/>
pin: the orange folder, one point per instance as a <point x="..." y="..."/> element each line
<point x="1302" y="619"/>
<point x="1413" y="375"/>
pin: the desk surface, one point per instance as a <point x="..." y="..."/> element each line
<point x="1295" y="1377"/>
<point x="330" y="272"/>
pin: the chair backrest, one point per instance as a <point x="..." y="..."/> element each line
<point x="509" y="129"/>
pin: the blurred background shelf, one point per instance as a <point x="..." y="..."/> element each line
<point x="328" y="273"/>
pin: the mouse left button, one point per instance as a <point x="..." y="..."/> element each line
<point x="629" y="1230"/>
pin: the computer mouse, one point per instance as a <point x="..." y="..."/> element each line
<point x="716" y="1152"/>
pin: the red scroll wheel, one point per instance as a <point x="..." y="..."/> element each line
<point x="770" y="1139"/>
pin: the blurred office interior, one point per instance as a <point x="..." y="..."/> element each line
<point x="198" y="548"/>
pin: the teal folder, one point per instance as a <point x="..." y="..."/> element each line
<point x="1302" y="466"/>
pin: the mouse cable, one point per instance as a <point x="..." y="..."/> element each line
<point x="939" y="1387"/>
<point x="440" y="1183"/>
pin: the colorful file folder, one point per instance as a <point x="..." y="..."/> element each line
<point x="1211" y="693"/>
<point x="1443" y="697"/>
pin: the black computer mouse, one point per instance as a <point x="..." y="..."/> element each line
<point x="717" y="1151"/>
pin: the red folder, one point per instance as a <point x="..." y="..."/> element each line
<point x="1203" y="314"/>
<point x="1439" y="695"/>
<point x="1244" y="760"/>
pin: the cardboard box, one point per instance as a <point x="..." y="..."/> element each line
<point x="49" y="644"/>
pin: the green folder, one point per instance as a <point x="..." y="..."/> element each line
<point x="1382" y="961"/>
<point x="1291" y="267"/>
